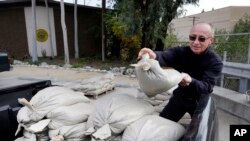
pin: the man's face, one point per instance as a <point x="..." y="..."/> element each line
<point x="200" y="38"/>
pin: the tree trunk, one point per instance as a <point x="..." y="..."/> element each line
<point x="34" y="45"/>
<point x="163" y="33"/>
<point x="65" y="38"/>
<point x="103" y="29"/>
<point x="116" y="47"/>
<point x="76" y="31"/>
<point x="50" y="33"/>
<point x="159" y="45"/>
<point x="144" y="7"/>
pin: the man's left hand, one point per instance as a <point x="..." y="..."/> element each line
<point x="187" y="79"/>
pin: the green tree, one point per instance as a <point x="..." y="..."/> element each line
<point x="241" y="42"/>
<point x="235" y="45"/>
<point x="152" y="17"/>
<point x="171" y="38"/>
<point x="170" y="10"/>
<point x="148" y="20"/>
<point x="221" y="40"/>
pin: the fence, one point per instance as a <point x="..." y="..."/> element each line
<point x="236" y="57"/>
<point x="237" y="47"/>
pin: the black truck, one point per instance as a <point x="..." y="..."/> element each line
<point x="10" y="90"/>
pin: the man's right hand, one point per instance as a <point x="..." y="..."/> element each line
<point x="148" y="51"/>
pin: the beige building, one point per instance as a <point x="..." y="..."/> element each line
<point x="224" y="18"/>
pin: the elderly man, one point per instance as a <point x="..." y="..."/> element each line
<point x="199" y="65"/>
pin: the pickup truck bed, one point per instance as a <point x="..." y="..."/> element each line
<point x="10" y="90"/>
<point x="203" y="126"/>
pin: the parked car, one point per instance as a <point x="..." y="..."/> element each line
<point x="4" y="62"/>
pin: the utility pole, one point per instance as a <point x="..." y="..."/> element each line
<point x="248" y="56"/>
<point x="194" y="18"/>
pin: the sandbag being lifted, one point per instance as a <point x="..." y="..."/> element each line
<point x="153" y="79"/>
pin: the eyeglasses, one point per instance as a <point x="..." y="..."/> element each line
<point x="200" y="38"/>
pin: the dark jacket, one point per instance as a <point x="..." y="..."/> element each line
<point x="204" y="69"/>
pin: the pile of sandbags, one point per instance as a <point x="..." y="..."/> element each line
<point x="60" y="114"/>
<point x="123" y="117"/>
<point x="153" y="79"/>
<point x="54" y="109"/>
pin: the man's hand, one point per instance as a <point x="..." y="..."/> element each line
<point x="186" y="79"/>
<point x="148" y="51"/>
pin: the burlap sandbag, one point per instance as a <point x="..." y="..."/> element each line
<point x="69" y="115"/>
<point x="45" y="101"/>
<point x="153" y="79"/>
<point x="118" y="111"/>
<point x="153" y="128"/>
<point x="72" y="132"/>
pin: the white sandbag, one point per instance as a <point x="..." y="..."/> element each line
<point x="76" y="132"/>
<point x="100" y="87"/>
<point x="154" y="102"/>
<point x="153" y="79"/>
<point x="170" y="91"/>
<point x="39" y="126"/>
<point x="103" y="133"/>
<point x="69" y="115"/>
<point x="153" y="128"/>
<point x="134" y="92"/>
<point x="163" y="97"/>
<point x="23" y="115"/>
<point x="109" y="76"/>
<point x="95" y="85"/>
<point x="118" y="110"/>
<point x="160" y="107"/>
<point x="28" y="136"/>
<point x="23" y="138"/>
<point x="45" y="101"/>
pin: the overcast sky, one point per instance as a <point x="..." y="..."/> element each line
<point x="207" y="5"/>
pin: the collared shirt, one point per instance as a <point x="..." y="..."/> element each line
<point x="204" y="69"/>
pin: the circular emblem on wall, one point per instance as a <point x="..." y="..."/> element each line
<point x="41" y="35"/>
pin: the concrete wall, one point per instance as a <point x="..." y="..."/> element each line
<point x="232" y="102"/>
<point x="224" y="18"/>
<point x="89" y="31"/>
